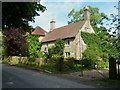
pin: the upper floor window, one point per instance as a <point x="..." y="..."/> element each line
<point x="67" y="43"/>
<point x="86" y="29"/>
<point x="45" y="49"/>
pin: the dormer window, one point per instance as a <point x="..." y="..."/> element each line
<point x="67" y="43"/>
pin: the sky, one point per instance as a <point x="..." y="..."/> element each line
<point x="58" y="10"/>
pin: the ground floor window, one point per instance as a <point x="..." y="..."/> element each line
<point x="67" y="54"/>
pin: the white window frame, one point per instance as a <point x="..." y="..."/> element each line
<point x="67" y="54"/>
<point x="67" y="43"/>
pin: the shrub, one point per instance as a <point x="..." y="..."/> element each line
<point x="34" y="46"/>
<point x="90" y="57"/>
<point x="70" y="62"/>
<point x="58" y="61"/>
<point x="105" y="57"/>
<point x="102" y="64"/>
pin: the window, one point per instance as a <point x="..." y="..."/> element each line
<point x="67" y="54"/>
<point x="45" y="49"/>
<point x="86" y="28"/>
<point x="67" y="43"/>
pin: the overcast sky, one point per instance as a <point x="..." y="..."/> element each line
<point x="59" y="9"/>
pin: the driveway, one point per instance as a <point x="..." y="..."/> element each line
<point x="14" y="77"/>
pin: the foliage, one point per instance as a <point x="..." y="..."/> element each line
<point x="59" y="47"/>
<point x="55" y="53"/>
<point x="105" y="57"/>
<point x="95" y="16"/>
<point x="97" y="49"/>
<point x="19" y="14"/>
<point x="34" y="46"/>
<point x="56" y="50"/>
<point x="105" y="42"/>
<point x="102" y="64"/>
<point x="69" y="62"/>
<point x="90" y="57"/>
<point x="114" y="28"/>
<point x="14" y="43"/>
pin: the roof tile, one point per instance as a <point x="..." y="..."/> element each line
<point x="67" y="31"/>
<point x="39" y="31"/>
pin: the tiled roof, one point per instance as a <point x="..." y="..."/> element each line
<point x="67" y="31"/>
<point x="39" y="31"/>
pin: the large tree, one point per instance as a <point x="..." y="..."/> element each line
<point x="14" y="43"/>
<point x="19" y="14"/>
<point x="96" y="17"/>
<point x="15" y="22"/>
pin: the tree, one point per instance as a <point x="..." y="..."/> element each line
<point x="34" y="46"/>
<point x="95" y="16"/>
<point x="114" y="24"/>
<point x="114" y="28"/>
<point x="14" y="43"/>
<point x="100" y="42"/>
<point x="19" y="14"/>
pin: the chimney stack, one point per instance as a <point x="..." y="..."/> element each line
<point x="87" y="13"/>
<point x="52" y="25"/>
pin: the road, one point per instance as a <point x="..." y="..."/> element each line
<point x="14" y="77"/>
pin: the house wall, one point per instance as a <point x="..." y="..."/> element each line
<point x="68" y="48"/>
<point x="77" y="45"/>
<point x="46" y="45"/>
<point x="40" y="38"/>
<point x="80" y="45"/>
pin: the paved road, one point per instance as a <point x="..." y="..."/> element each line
<point x="14" y="77"/>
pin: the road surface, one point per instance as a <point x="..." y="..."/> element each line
<point x="14" y="77"/>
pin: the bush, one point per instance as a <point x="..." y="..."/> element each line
<point x="70" y="62"/>
<point x="90" y="57"/>
<point x="58" y="61"/>
<point x="105" y="57"/>
<point x="102" y="64"/>
<point x="34" y="46"/>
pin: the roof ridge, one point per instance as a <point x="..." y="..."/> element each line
<point x="40" y="28"/>
<point x="69" y="24"/>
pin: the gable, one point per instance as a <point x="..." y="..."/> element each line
<point x="39" y="31"/>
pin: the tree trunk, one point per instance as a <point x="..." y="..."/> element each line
<point x="112" y="68"/>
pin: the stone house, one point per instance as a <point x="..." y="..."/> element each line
<point x="71" y="34"/>
<point x="40" y="32"/>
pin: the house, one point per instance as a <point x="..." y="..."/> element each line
<point x="39" y="31"/>
<point x="71" y="34"/>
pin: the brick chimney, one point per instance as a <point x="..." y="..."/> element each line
<point x="52" y="25"/>
<point x="87" y="13"/>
